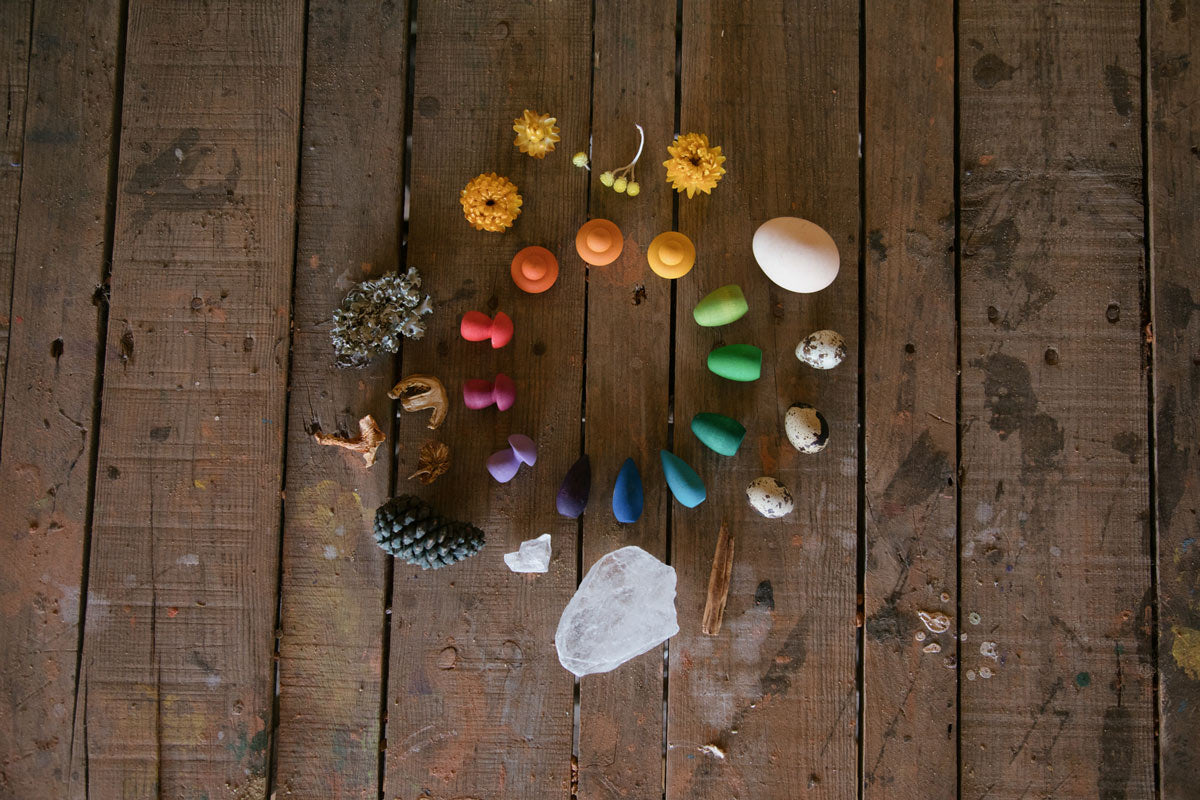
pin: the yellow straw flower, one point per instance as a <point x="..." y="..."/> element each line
<point x="490" y="202"/>
<point x="536" y="133"/>
<point x="694" y="165"/>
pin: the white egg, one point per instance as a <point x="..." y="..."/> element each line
<point x="822" y="349"/>
<point x="769" y="497"/>
<point x="806" y="428"/>
<point x="796" y="254"/>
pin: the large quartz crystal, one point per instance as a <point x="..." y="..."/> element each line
<point x="624" y="607"/>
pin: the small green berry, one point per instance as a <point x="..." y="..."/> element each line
<point x="620" y="184"/>
<point x="633" y="188"/>
<point x="606" y="178"/>
<point x="580" y="159"/>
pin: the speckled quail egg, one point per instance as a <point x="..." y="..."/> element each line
<point x="806" y="428"/>
<point x="769" y="497"/>
<point x="822" y="349"/>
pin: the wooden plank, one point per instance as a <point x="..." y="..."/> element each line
<point x="775" y="693"/>
<point x="910" y="353"/>
<point x="177" y="670"/>
<point x="478" y="704"/>
<point x="1174" y="118"/>
<point x="46" y="462"/>
<point x="15" y="20"/>
<point x="351" y="193"/>
<point x="628" y="375"/>
<point x="1055" y="508"/>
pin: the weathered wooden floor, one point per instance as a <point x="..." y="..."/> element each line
<point x="191" y="605"/>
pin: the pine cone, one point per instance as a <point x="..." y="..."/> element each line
<point x="409" y="529"/>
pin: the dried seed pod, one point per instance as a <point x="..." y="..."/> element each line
<point x="367" y="442"/>
<point x="422" y="391"/>
<point x="432" y="462"/>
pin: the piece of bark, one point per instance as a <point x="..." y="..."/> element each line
<point x="718" y="582"/>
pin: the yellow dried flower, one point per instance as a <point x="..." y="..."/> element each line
<point x="490" y="202"/>
<point x="694" y="165"/>
<point x="536" y="133"/>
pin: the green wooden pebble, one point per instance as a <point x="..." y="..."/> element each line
<point x="683" y="481"/>
<point x="718" y="432"/>
<point x="736" y="362"/>
<point x="721" y="306"/>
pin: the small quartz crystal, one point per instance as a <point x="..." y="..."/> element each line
<point x="532" y="556"/>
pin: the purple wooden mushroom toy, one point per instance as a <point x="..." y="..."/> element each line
<point x="503" y="464"/>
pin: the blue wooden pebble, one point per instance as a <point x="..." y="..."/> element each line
<point x="685" y="484"/>
<point x="627" y="493"/>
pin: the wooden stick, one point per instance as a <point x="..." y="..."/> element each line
<point x="718" y="582"/>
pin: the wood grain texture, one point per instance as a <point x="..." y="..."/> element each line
<point x="909" y="696"/>
<point x="776" y="85"/>
<point x="1174" y="116"/>
<point x="478" y="704"/>
<point x="1055" y="507"/>
<point x="334" y="585"/>
<point x="177" y="674"/>
<point x="628" y="376"/>
<point x="46" y="458"/>
<point x="15" y="19"/>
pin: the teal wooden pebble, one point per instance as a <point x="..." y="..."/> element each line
<point x="719" y="433"/>
<point x="683" y="481"/>
<point x="736" y="362"/>
<point x="721" y="307"/>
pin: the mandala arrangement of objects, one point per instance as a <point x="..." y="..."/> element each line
<point x="598" y="630"/>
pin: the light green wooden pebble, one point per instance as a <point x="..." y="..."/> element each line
<point x="721" y="307"/>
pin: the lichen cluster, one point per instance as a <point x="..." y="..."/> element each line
<point x="375" y="315"/>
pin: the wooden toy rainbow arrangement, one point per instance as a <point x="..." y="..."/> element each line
<point x="594" y="635"/>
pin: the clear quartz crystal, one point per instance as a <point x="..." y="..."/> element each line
<point x="624" y="607"/>
<point x="532" y="556"/>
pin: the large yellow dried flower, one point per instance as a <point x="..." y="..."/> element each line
<point x="694" y="165"/>
<point x="490" y="202"/>
<point x="536" y="133"/>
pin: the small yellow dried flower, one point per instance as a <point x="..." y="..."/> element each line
<point x="580" y="159"/>
<point x="536" y="133"/>
<point x="633" y="188"/>
<point x="490" y="202"/>
<point x="694" y="165"/>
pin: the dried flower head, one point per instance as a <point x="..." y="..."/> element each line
<point x="694" y="165"/>
<point x="432" y="462"/>
<point x="367" y="442"/>
<point x="375" y="315"/>
<point x="536" y="133"/>
<point x="490" y="202"/>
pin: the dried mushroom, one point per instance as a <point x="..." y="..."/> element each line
<point x="422" y="391"/>
<point x="367" y="442"/>
<point x="432" y="462"/>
